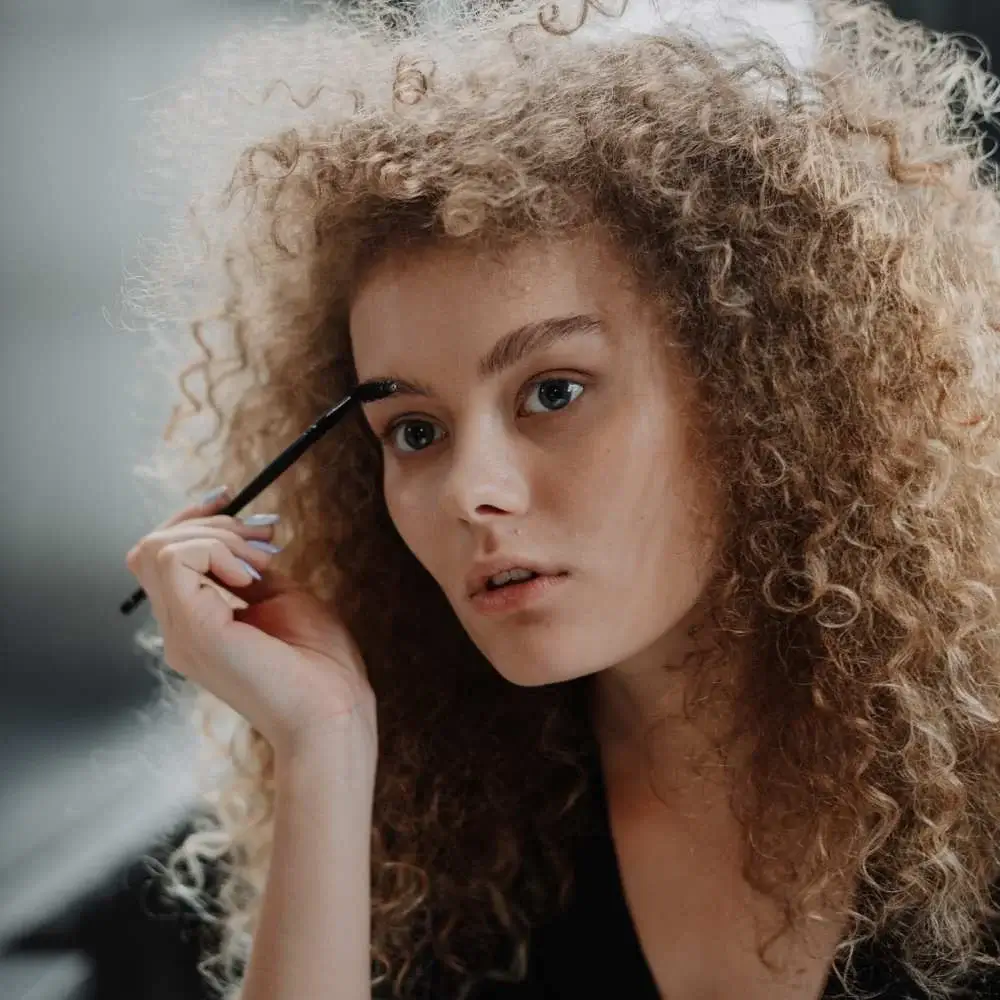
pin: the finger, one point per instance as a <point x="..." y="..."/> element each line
<point x="167" y="532"/>
<point x="231" y="523"/>
<point x="143" y="561"/>
<point x="186" y="574"/>
<point x="183" y="566"/>
<point x="238" y="525"/>
<point x="258" y="557"/>
<point x="234" y="602"/>
<point x="197" y="509"/>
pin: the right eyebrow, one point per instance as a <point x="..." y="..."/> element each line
<point x="508" y="350"/>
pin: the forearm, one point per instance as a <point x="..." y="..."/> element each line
<point x="313" y="937"/>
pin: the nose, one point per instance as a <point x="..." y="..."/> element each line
<point x="487" y="476"/>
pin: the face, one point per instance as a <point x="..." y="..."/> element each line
<point x="571" y="456"/>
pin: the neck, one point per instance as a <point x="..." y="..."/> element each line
<point x="658" y="716"/>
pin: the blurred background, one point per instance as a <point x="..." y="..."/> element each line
<point x="93" y="771"/>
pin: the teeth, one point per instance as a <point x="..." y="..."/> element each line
<point x="510" y="574"/>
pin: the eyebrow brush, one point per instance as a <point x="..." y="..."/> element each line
<point x="367" y="392"/>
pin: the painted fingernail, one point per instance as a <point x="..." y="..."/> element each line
<point x="264" y="546"/>
<point x="257" y="520"/>
<point x="213" y="495"/>
<point x="250" y="569"/>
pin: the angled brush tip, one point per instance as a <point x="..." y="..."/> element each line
<point x="368" y="392"/>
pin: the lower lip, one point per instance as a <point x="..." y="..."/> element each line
<point x="516" y="595"/>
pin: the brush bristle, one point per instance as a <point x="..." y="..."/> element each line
<point x="371" y="391"/>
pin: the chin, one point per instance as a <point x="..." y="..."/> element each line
<point x="525" y="668"/>
<point x="529" y="678"/>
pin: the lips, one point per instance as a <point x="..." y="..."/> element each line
<point x="518" y="596"/>
<point x="484" y="571"/>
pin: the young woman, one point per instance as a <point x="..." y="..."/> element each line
<point x="705" y="348"/>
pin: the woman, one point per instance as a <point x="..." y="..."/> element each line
<point x="707" y="343"/>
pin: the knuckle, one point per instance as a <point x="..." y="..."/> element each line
<point x="138" y="552"/>
<point x="166" y="555"/>
<point x="231" y="538"/>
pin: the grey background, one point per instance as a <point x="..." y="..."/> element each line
<point x="89" y="773"/>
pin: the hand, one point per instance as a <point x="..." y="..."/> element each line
<point x="274" y="653"/>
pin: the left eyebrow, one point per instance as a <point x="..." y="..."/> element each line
<point x="507" y="351"/>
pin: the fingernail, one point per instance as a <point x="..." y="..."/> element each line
<point x="256" y="520"/>
<point x="264" y="546"/>
<point x="250" y="569"/>
<point x="213" y="495"/>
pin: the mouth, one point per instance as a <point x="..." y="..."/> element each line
<point x="518" y="593"/>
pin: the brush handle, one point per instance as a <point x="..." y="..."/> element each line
<point x="267" y="476"/>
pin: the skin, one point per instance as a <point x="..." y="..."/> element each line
<point x="603" y="487"/>
<point x="600" y="487"/>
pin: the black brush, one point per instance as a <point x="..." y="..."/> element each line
<point x="367" y="392"/>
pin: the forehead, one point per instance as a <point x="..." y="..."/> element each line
<point x="414" y="297"/>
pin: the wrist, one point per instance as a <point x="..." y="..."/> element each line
<point x="339" y="754"/>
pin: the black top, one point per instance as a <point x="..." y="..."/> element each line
<point x="592" y="948"/>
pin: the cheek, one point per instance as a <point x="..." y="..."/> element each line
<point x="418" y="520"/>
<point x="409" y="515"/>
<point x="641" y="504"/>
<point x="613" y="486"/>
<point x="669" y="538"/>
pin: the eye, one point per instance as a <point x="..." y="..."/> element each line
<point x="424" y="434"/>
<point x="419" y="433"/>
<point x="557" y="399"/>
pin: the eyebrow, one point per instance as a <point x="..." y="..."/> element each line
<point x="507" y="351"/>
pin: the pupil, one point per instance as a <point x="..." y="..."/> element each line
<point x="559" y="386"/>
<point x="417" y="439"/>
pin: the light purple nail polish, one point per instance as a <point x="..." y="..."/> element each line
<point x="264" y="546"/>
<point x="250" y="569"/>
<point x="213" y="495"/>
<point x="257" y="520"/>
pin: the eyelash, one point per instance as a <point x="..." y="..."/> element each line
<point x="387" y="435"/>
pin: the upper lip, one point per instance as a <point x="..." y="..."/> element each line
<point x="482" y="571"/>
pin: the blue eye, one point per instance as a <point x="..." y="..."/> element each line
<point x="419" y="433"/>
<point x="557" y="398"/>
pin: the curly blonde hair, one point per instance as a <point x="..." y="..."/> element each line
<point x="826" y="242"/>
